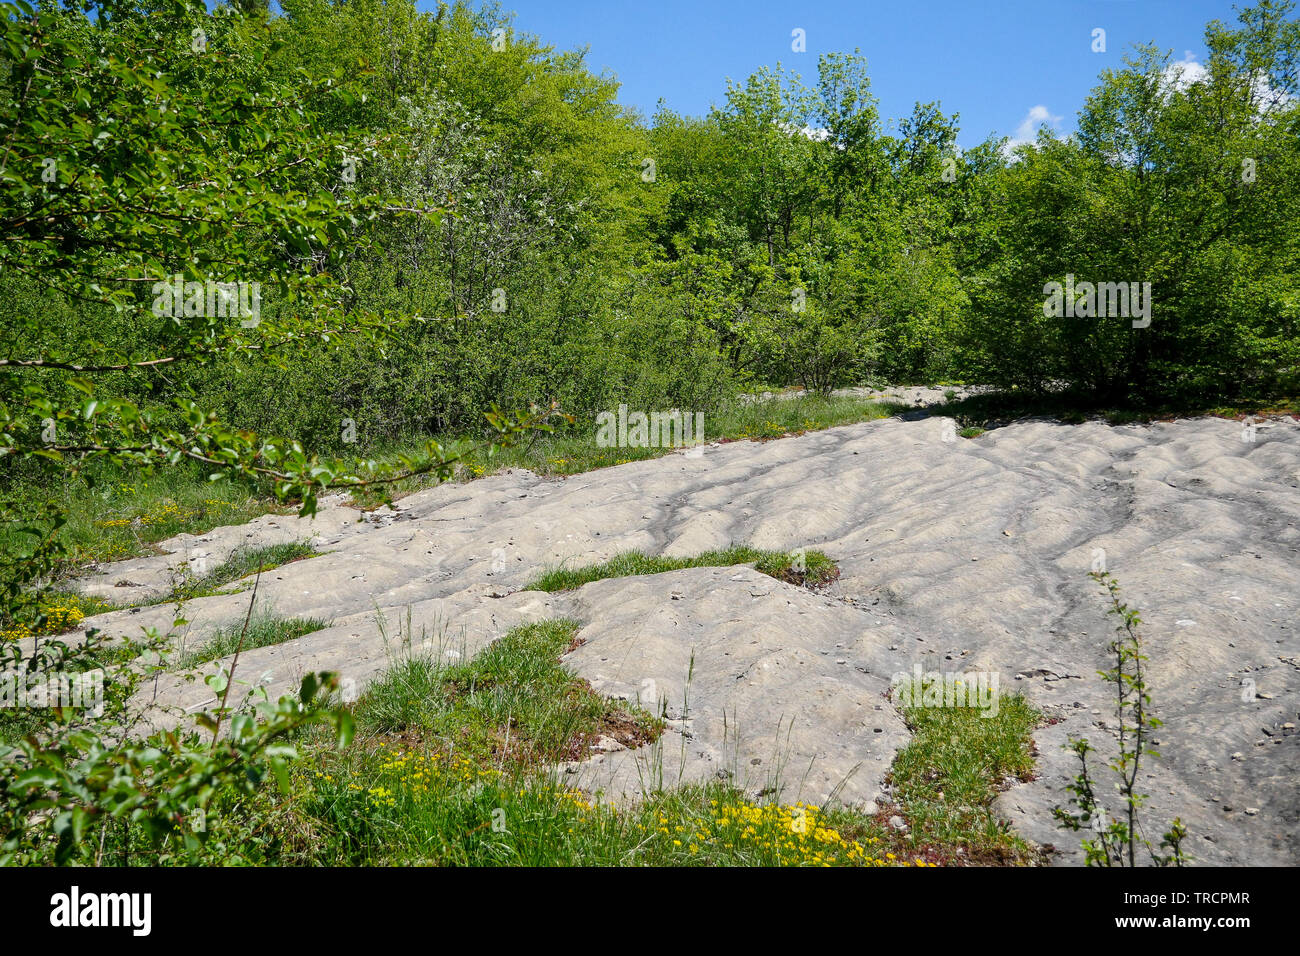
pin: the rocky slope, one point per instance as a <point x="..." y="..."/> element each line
<point x="957" y="555"/>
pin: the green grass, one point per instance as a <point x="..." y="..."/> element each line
<point x="264" y="630"/>
<point x="113" y="515"/>
<point x="818" y="570"/>
<point x="241" y="563"/>
<point x="417" y="813"/>
<point x="454" y="764"/>
<point x="451" y="767"/>
<point x="513" y="705"/>
<point x="571" y="449"/>
<point x="946" y="779"/>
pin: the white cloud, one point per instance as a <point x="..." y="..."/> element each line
<point x="1027" y="131"/>
<point x="817" y="133"/>
<point x="1183" y="73"/>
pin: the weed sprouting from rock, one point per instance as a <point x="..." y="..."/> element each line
<point x="1119" y="839"/>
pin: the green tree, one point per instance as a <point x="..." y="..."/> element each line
<point x="144" y="152"/>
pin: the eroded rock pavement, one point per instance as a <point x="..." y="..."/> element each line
<point x="957" y="555"/>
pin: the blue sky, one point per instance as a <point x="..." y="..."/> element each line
<point x="1002" y="64"/>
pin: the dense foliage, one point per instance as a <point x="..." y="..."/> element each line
<point x="785" y="237"/>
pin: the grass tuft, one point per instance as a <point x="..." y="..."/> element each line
<point x="946" y="779"/>
<point x="513" y="706"/>
<point x="264" y="630"/>
<point x="812" y="569"/>
<point x="241" y="563"/>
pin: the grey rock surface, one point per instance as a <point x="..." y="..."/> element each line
<point x="956" y="555"/>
